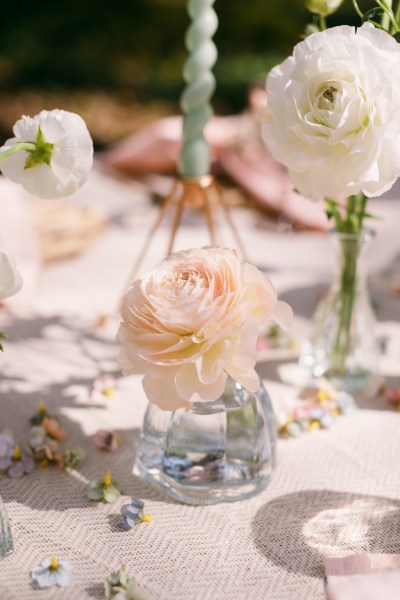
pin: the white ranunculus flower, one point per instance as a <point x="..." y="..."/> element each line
<point x="334" y="113"/>
<point x="10" y="279"/>
<point x="192" y="321"/>
<point x="63" y="159"/>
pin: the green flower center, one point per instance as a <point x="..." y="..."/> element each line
<point x="330" y="94"/>
<point x="327" y="98"/>
<point x="41" y="154"/>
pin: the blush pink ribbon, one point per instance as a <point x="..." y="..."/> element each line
<point x="363" y="577"/>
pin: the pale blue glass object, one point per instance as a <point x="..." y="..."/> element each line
<point x="195" y="155"/>
<point x="215" y="452"/>
<point x="6" y="541"/>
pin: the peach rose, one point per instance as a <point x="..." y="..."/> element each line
<point x="192" y="321"/>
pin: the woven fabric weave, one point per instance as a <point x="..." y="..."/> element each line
<point x="334" y="492"/>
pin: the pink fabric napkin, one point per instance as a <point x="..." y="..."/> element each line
<point x="363" y="577"/>
<point x="237" y="150"/>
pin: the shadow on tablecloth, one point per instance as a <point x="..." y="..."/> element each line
<point x="298" y="530"/>
<point x="55" y="359"/>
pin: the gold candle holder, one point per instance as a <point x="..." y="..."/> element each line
<point x="201" y="193"/>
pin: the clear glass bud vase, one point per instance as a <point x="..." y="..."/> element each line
<point x="343" y="347"/>
<point x="6" y="541"/>
<point x="214" y="452"/>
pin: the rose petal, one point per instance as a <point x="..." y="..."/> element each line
<point x="190" y="388"/>
<point x="163" y="393"/>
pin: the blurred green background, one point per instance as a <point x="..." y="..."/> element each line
<point x="119" y="63"/>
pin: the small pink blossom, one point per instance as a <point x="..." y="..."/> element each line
<point x="106" y="440"/>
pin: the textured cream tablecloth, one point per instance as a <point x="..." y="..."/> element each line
<point x="333" y="493"/>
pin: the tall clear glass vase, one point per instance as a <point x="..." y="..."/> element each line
<point x="214" y="452"/>
<point x="343" y="346"/>
<point x="6" y="541"/>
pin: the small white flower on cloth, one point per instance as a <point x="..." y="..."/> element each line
<point x="121" y="586"/>
<point x="60" y="157"/>
<point x="10" y="279"/>
<point x="53" y="572"/>
<point x="334" y="113"/>
<point x="192" y="321"/>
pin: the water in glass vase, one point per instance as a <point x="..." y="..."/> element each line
<point x="216" y="451"/>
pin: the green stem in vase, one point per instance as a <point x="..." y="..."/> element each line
<point x="351" y="236"/>
<point x="350" y="218"/>
<point x="349" y="222"/>
<point x="350" y="247"/>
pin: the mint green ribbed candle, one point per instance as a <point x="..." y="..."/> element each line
<point x="195" y="101"/>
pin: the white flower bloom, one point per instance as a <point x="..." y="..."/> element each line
<point x="10" y="279"/>
<point x="120" y="586"/>
<point x="64" y="157"/>
<point x="53" y="572"/>
<point x="335" y="113"/>
<point x="134" y="591"/>
<point x="192" y="321"/>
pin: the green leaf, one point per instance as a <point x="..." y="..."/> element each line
<point x="332" y="208"/>
<point x="371" y="216"/>
<point x="332" y="212"/>
<point x="3" y="336"/>
<point x="397" y="36"/>
<point x="371" y="13"/>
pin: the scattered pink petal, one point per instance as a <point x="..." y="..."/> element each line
<point x="53" y="429"/>
<point x="106" y="440"/>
